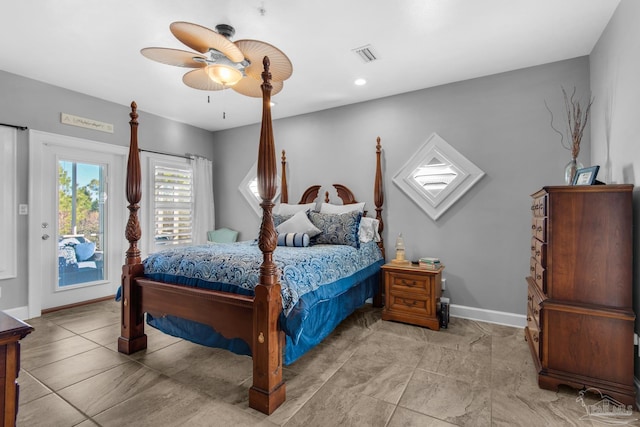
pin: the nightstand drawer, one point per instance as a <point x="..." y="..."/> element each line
<point x="411" y="304"/>
<point x="400" y="282"/>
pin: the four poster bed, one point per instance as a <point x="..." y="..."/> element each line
<point x="271" y="304"/>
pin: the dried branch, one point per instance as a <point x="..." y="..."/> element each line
<point x="576" y="121"/>
<point x="554" y="128"/>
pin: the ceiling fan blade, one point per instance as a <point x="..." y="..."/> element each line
<point x="255" y="50"/>
<point x="198" y="79"/>
<point x="202" y="39"/>
<point x="251" y="87"/>
<point x="180" y="58"/>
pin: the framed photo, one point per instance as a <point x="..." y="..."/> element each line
<point x="586" y="176"/>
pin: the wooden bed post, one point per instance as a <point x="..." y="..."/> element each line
<point x="378" y="195"/>
<point x="268" y="390"/>
<point x="284" y="192"/>
<point x="132" y="336"/>
<point x="378" y="199"/>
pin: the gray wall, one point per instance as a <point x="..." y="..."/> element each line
<point x="498" y="122"/>
<point x="615" y="67"/>
<point x="38" y="106"/>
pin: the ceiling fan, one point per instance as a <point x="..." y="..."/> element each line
<point x="222" y="64"/>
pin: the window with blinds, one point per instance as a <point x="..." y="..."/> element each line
<point x="173" y="203"/>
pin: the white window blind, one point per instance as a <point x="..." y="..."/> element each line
<point x="173" y="204"/>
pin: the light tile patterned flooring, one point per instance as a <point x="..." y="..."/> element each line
<point x="367" y="373"/>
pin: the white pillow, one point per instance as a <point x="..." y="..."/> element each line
<point x="368" y="230"/>
<point x="299" y="223"/>
<point x="287" y="209"/>
<point x="328" y="208"/>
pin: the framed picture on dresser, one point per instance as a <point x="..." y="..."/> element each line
<point x="586" y="176"/>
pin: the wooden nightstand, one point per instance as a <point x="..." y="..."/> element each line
<point x="412" y="294"/>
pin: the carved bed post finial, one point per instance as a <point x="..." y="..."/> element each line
<point x="268" y="389"/>
<point x="284" y="192"/>
<point x="134" y="178"/>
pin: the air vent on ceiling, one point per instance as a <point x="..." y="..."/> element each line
<point x="366" y="53"/>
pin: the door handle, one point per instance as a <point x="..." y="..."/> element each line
<point x="45" y="236"/>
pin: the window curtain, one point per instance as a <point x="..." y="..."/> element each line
<point x="203" y="213"/>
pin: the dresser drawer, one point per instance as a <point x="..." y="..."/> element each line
<point x="539" y="228"/>
<point x="411" y="283"/>
<point x="539" y="251"/>
<point x="534" y="334"/>
<point x="538" y="273"/>
<point x="539" y="206"/>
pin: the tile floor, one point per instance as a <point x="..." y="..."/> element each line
<point x="367" y="373"/>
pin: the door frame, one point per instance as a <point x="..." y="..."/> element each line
<point x="37" y="141"/>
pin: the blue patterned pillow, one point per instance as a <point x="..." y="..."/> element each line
<point x="293" y="239"/>
<point x="337" y="229"/>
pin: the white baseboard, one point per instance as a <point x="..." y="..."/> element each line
<point x="21" y="313"/>
<point x="490" y="316"/>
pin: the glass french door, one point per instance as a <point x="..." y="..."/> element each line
<point x="76" y="221"/>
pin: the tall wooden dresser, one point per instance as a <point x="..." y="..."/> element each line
<point x="579" y="316"/>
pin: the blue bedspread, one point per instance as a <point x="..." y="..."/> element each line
<point x="317" y="282"/>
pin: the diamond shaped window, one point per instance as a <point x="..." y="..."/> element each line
<point x="436" y="176"/>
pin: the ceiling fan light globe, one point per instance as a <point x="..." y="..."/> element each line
<point x="223" y="74"/>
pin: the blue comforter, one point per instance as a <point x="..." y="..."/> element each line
<point x="317" y="282"/>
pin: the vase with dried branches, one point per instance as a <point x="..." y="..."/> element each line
<point x="576" y="120"/>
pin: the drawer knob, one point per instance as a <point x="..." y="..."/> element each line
<point x="533" y="226"/>
<point x="529" y="319"/>
<point x="532" y="268"/>
<point x="539" y="229"/>
<point x="539" y="277"/>
<point x="535" y="339"/>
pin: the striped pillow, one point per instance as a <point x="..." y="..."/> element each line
<point x="293" y="239"/>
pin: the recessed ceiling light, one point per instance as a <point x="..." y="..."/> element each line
<point x="360" y="82"/>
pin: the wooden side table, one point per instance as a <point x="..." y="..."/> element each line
<point x="12" y="331"/>
<point x="412" y="294"/>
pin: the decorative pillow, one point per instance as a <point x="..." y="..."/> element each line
<point x="368" y="230"/>
<point x="287" y="209"/>
<point x="337" y="229"/>
<point x="70" y="241"/>
<point x="67" y="254"/>
<point x="293" y="239"/>
<point x="328" y="208"/>
<point x="279" y="219"/>
<point x="84" y="251"/>
<point x="298" y="223"/>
